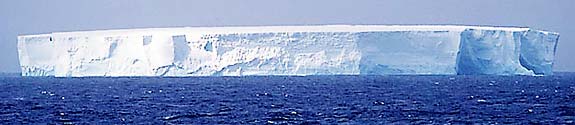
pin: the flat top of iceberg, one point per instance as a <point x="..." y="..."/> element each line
<point x="265" y="29"/>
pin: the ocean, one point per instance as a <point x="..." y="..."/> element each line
<point x="429" y="99"/>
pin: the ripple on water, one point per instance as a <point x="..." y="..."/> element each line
<point x="290" y="100"/>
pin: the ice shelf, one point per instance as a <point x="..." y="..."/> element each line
<point x="291" y="50"/>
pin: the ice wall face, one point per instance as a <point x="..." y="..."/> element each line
<point x="282" y="53"/>
<point x="408" y="52"/>
<point x="490" y="52"/>
<point x="499" y="52"/>
<point x="36" y="53"/>
<point x="112" y="55"/>
<point x="538" y="51"/>
<point x="298" y="53"/>
<point x="290" y="50"/>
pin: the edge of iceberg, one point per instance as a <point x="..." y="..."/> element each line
<point x="291" y="50"/>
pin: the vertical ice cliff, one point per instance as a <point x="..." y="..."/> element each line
<point x="506" y="52"/>
<point x="408" y="52"/>
<point x="236" y="54"/>
<point x="538" y="51"/>
<point x="290" y="50"/>
<point x="36" y="53"/>
<point x="490" y="52"/>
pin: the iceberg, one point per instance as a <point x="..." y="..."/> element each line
<point x="291" y="50"/>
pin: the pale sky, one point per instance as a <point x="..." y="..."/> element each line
<point x="44" y="16"/>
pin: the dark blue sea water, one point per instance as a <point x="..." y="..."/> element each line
<point x="297" y="100"/>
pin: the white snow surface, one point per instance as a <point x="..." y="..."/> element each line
<point x="291" y="50"/>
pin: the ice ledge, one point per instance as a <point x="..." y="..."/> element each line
<point x="291" y="50"/>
